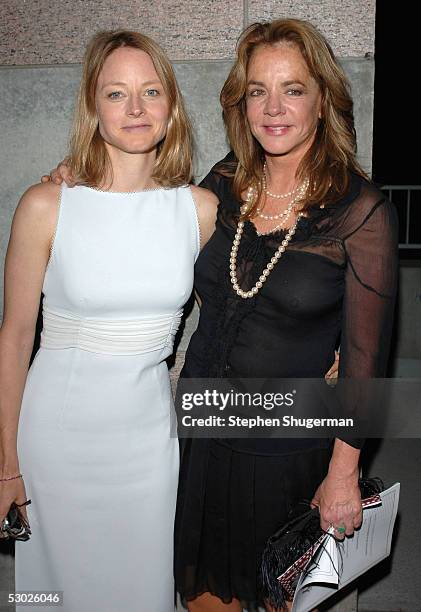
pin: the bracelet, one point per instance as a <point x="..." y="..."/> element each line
<point x="11" y="478"/>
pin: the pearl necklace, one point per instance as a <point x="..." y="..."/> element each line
<point x="277" y="196"/>
<point x="284" y="219"/>
<point x="287" y="212"/>
<point x="274" y="260"/>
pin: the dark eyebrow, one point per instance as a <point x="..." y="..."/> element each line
<point x="296" y="82"/>
<point x="284" y="83"/>
<point x="256" y="83"/>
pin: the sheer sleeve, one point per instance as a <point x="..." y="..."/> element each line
<point x="370" y="290"/>
<point x="216" y="179"/>
<point x="213" y="182"/>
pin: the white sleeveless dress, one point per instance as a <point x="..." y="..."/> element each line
<point x="98" y="458"/>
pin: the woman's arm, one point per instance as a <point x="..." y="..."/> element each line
<point x="370" y="290"/>
<point x="332" y="373"/>
<point x="206" y="206"/>
<point x="26" y="260"/>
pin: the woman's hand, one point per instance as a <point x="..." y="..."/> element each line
<point x="338" y="497"/>
<point x="332" y="373"/>
<point x="12" y="491"/>
<point x="339" y="501"/>
<point x="60" y="174"/>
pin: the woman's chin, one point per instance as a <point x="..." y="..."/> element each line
<point x="133" y="148"/>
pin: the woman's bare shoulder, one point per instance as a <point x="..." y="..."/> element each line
<point x="41" y="196"/>
<point x="206" y="205"/>
<point x="37" y="211"/>
<point x="204" y="197"/>
<point x="40" y="202"/>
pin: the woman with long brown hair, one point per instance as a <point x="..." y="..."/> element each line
<point x="114" y="259"/>
<point x="304" y="256"/>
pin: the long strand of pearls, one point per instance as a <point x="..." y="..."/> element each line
<point x="274" y="260"/>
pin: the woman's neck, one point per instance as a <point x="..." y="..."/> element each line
<point x="281" y="173"/>
<point x="130" y="171"/>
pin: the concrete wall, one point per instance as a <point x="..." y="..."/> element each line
<point x="41" y="46"/>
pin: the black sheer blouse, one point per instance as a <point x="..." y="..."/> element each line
<point x="334" y="284"/>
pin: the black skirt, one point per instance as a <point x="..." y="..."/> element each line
<point x="229" y="503"/>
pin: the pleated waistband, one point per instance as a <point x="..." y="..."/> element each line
<point x="110" y="336"/>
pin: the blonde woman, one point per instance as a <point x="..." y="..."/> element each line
<point x="114" y="258"/>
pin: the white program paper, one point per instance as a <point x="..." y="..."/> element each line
<point x="337" y="564"/>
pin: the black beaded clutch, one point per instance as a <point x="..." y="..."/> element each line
<point x="15" y="525"/>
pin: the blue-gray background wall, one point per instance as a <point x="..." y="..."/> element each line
<point x="41" y="46"/>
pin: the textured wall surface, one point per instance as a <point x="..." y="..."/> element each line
<point x="47" y="32"/>
<point x="347" y="24"/>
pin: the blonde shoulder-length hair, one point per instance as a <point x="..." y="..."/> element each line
<point x="88" y="157"/>
<point x="332" y="155"/>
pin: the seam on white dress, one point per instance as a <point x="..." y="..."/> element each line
<point x="53" y="239"/>
<point x="168" y="339"/>
<point x="199" y="232"/>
